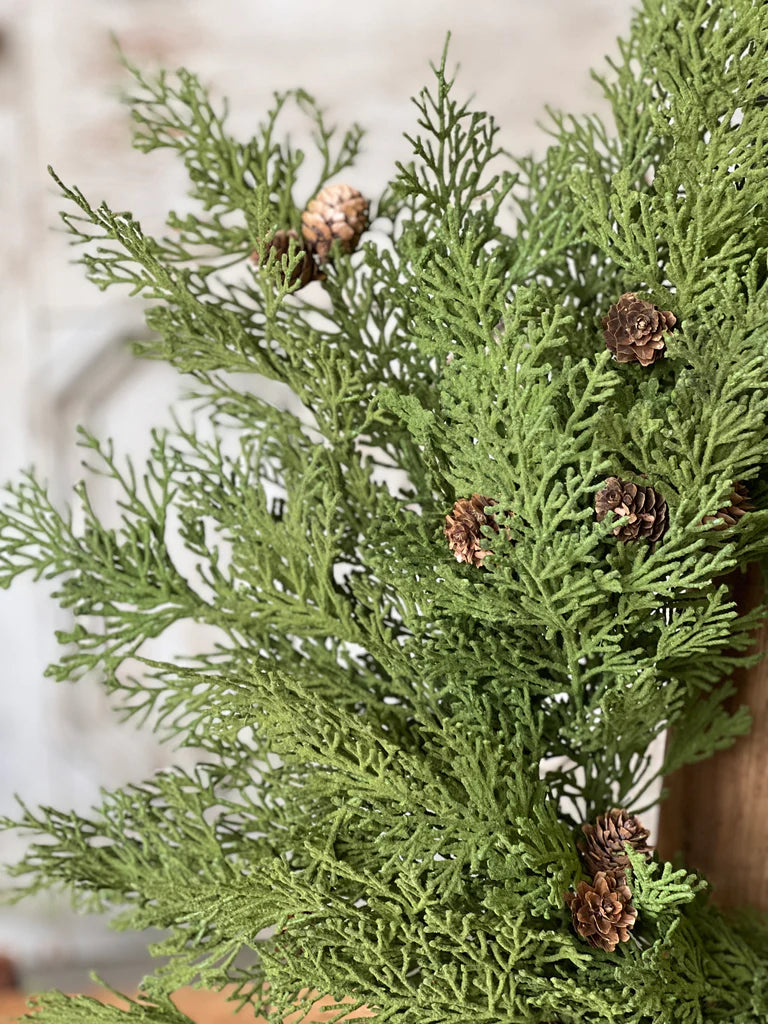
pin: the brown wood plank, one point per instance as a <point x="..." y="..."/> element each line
<point x="717" y="811"/>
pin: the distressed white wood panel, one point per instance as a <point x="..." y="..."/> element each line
<point x="60" y="352"/>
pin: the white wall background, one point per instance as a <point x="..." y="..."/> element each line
<point x="62" y="354"/>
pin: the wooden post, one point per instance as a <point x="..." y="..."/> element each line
<point x="717" y="812"/>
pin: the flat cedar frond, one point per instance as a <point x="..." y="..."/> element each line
<point x="402" y="740"/>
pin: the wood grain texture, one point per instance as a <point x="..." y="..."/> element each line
<point x="211" y="1008"/>
<point x="716" y="815"/>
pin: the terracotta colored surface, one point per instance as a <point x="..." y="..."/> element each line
<point x="717" y="811"/>
<point x="207" y="1008"/>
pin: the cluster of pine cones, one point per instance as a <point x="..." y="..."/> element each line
<point x="602" y="909"/>
<point x="643" y="509"/>
<point x="338" y="213"/>
<point x="634" y="331"/>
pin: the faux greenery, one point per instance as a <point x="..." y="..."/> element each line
<point x="400" y="749"/>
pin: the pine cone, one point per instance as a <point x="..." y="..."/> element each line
<point x="646" y="508"/>
<point x="731" y="514"/>
<point x="603" y="849"/>
<point x="304" y="272"/>
<point x="602" y="911"/>
<point x="633" y="330"/>
<point x="462" y="528"/>
<point x="337" y="212"/>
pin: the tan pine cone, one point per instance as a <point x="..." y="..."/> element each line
<point x="463" y="526"/>
<point x="602" y="911"/>
<point x="646" y="508"/>
<point x="603" y="848"/>
<point x="634" y="330"/>
<point x="732" y="513"/>
<point x="304" y="272"/>
<point x="338" y="212"/>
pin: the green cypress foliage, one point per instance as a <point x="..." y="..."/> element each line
<point x="400" y="748"/>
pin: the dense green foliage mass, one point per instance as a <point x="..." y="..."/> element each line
<point x="399" y="749"/>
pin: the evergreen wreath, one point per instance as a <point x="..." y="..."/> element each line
<point x="427" y="718"/>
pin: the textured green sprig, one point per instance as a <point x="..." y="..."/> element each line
<point x="400" y="748"/>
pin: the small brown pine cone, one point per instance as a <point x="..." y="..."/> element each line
<point x="280" y="243"/>
<point x="732" y="513"/>
<point x="602" y="911"/>
<point x="338" y="212"/>
<point x="646" y="508"/>
<point x="463" y="526"/>
<point x="634" y="330"/>
<point x="603" y="848"/>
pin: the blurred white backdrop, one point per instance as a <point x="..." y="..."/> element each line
<point x="63" y="359"/>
